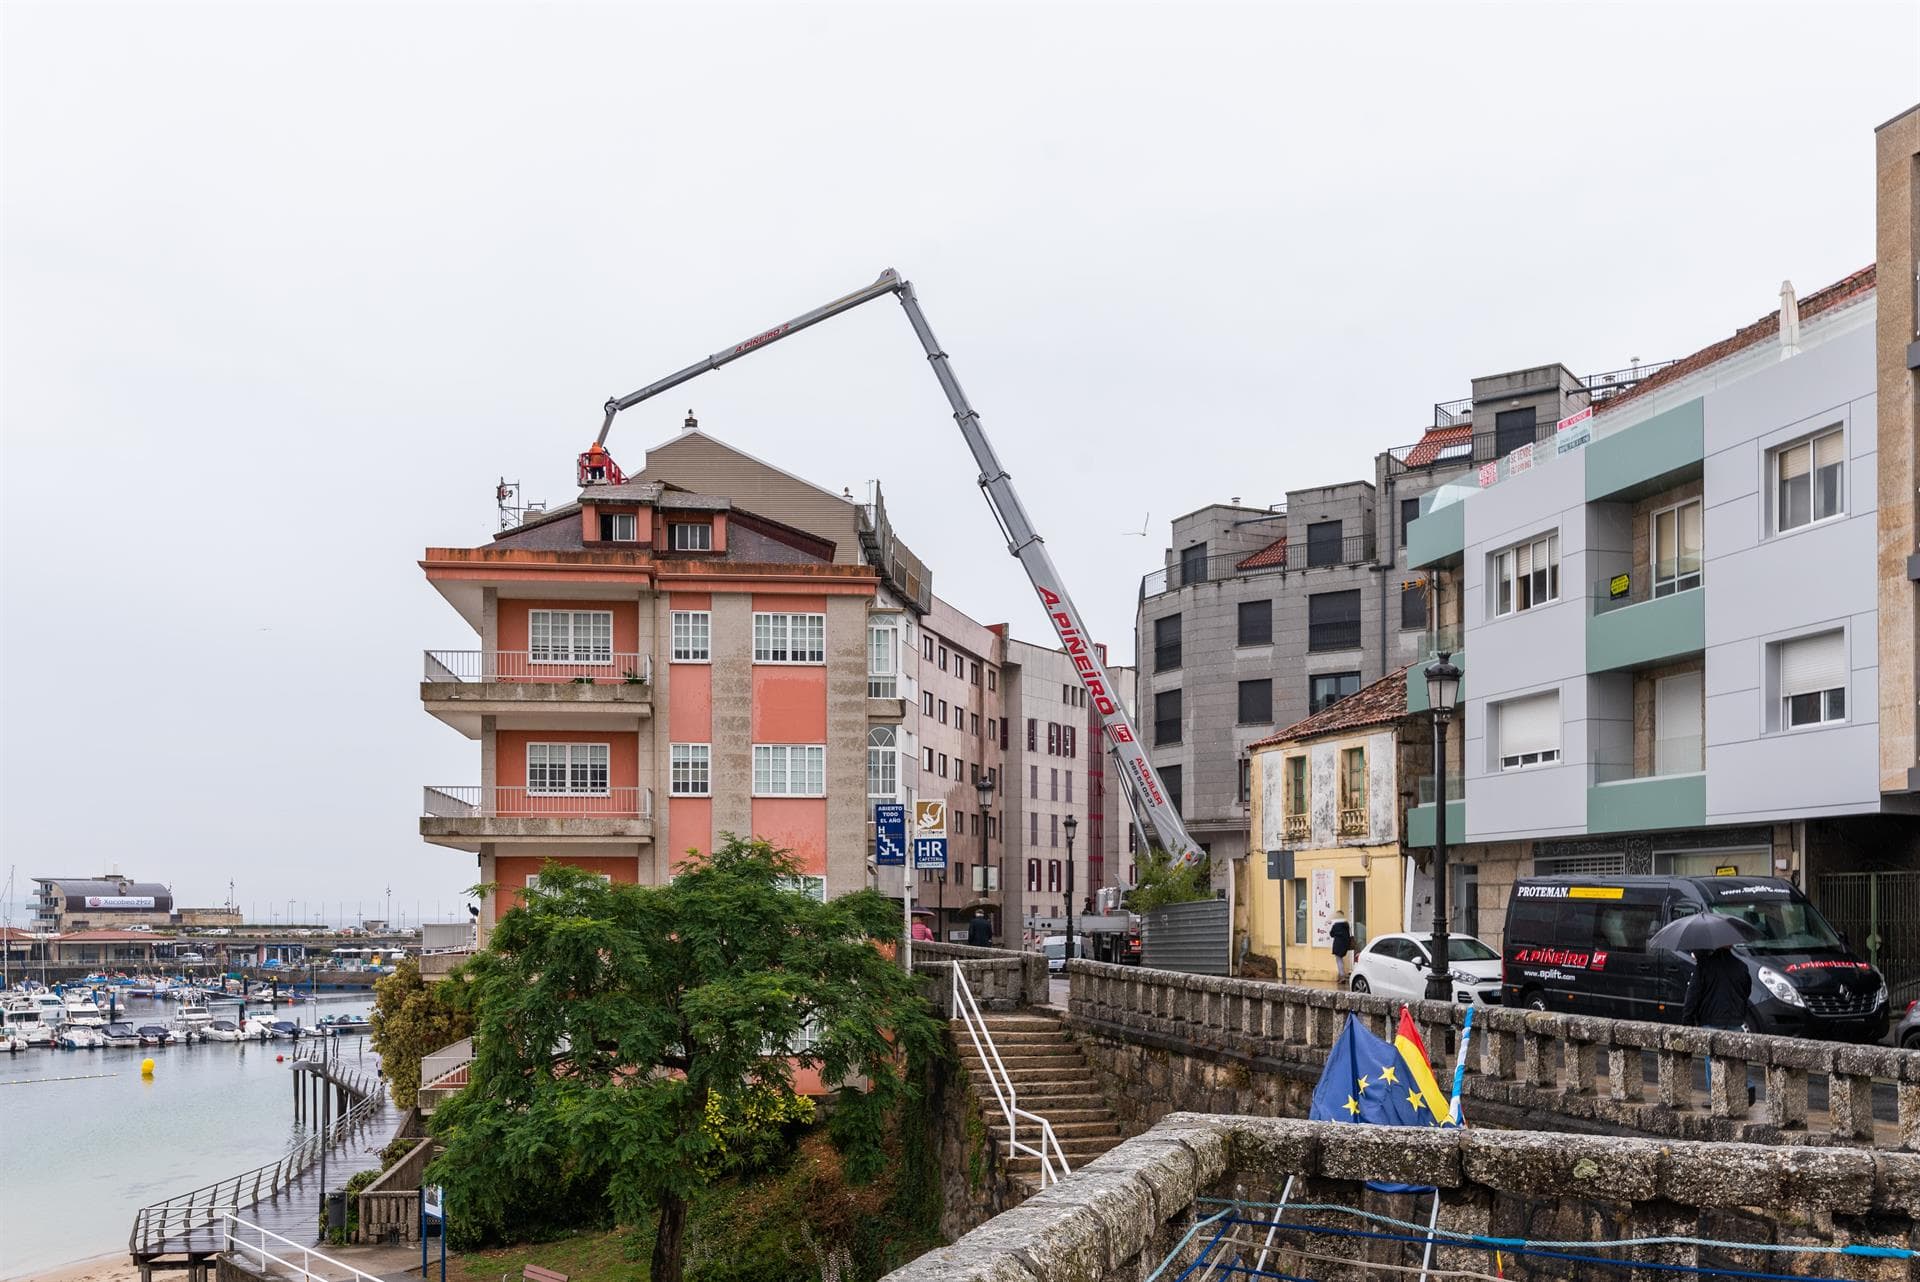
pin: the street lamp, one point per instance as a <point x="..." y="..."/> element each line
<point x="1072" y="825"/>
<point x="1443" y="692"/>
<point x="984" y="786"/>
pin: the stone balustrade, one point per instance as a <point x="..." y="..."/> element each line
<point x="1689" y="1205"/>
<point x="1586" y="1072"/>
<point x="1000" y="978"/>
<point x="390" y="1206"/>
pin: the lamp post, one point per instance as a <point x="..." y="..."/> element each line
<point x="984" y="786"/>
<point x="1072" y="825"/>
<point x="1443" y="691"/>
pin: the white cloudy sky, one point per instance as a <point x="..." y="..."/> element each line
<point x="287" y="287"/>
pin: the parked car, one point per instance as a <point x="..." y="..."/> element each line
<point x="1056" y="950"/>
<point x="1397" y="966"/>
<point x="1580" y="944"/>
<point x="1906" y="1034"/>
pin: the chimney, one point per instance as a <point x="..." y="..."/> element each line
<point x="1789" y="321"/>
<point x="691" y="422"/>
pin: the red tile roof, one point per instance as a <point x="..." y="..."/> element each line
<point x="1437" y="441"/>
<point x="1382" y="703"/>
<point x="1274" y="554"/>
<point x="107" y="937"/>
<point x="1768" y="326"/>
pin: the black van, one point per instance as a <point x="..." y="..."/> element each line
<point x="1579" y="944"/>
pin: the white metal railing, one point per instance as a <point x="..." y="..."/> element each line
<point x="444" y="1061"/>
<point x="1053" y="1160"/>
<point x="617" y="668"/>
<point x="336" y="1270"/>
<point x="464" y="801"/>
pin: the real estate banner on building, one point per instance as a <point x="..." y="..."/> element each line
<point x="1321" y="906"/>
<point x="1573" y="431"/>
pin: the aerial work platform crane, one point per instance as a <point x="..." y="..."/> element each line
<point x="596" y="466"/>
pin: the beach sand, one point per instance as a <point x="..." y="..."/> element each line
<point x="381" y="1261"/>
<point x="113" y="1267"/>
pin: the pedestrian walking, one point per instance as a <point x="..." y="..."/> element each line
<point x="1717" y="997"/>
<point x="980" y="929"/>
<point x="921" y="930"/>
<point x="1339" y="939"/>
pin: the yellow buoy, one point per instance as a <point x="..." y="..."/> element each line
<point x="146" y="1068"/>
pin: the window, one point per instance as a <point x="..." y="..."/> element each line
<point x="1070" y="741"/>
<point x="1066" y="693"/>
<point x="1511" y="430"/>
<point x="1813" y="680"/>
<point x="1170" y="780"/>
<point x="973" y="673"/>
<point x="1033" y="827"/>
<point x="1069" y="787"/>
<point x="1166" y="717"/>
<point x="1526" y="575"/>
<point x="1166" y="643"/>
<point x="1333" y="620"/>
<point x="883" y="762"/>
<point x="1033" y="781"/>
<point x="1033" y="733"/>
<point x="1353" y="792"/>
<point x="1256" y="702"/>
<point x="1294" y="786"/>
<point x="1053" y="874"/>
<point x="1033" y="872"/>
<point x="1193" y="564"/>
<point x="1053" y="830"/>
<point x="943" y="712"/>
<point x="1677" y="720"/>
<point x="974" y="728"/>
<point x="1053" y="739"/>
<point x="1529" y="730"/>
<point x="1413" y="607"/>
<point x="943" y="765"/>
<point x="1324" y="689"/>
<point x="926" y="703"/>
<point x="1323" y="543"/>
<point x="1409" y="513"/>
<point x="1299" y="911"/>
<point x="1675" y="535"/>
<point x="1809" y="481"/>
<point x="789" y="770"/>
<point x="814" y="888"/>
<point x="927" y="760"/>
<point x="691" y="633"/>
<point x="690" y="767"/>
<point x="1246" y="779"/>
<point x="993" y="679"/>
<point x="789" y="638"/>
<point x="567" y="769"/>
<point x="619" y="527"/>
<point x="570" y="636"/>
<point x="1053" y="783"/>
<point x="1256" y="623"/>
<point x="881" y="680"/>
<point x="943" y="658"/>
<point x="1003" y="734"/>
<point x="690" y="536"/>
<point x="926" y="643"/>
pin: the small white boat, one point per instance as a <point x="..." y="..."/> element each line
<point x="259" y="1028"/>
<point x="156" y="1035"/>
<point x="121" y="1034"/>
<point x="83" y="1012"/>
<point x="81" y="1037"/>
<point x="223" y="1030"/>
<point x="194" y="1013"/>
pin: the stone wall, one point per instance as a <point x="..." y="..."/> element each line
<point x="1123" y="1213"/>
<point x="999" y="978"/>
<point x="1161" y="1042"/>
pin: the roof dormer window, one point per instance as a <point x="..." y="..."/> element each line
<point x="619" y="527"/>
<point x="690" y="536"/>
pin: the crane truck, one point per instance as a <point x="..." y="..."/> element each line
<point x="596" y="466"/>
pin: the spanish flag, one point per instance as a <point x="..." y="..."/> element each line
<point x="1413" y="1053"/>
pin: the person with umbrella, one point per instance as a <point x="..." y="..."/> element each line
<point x="1722" y="986"/>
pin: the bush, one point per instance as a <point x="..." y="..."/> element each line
<point x="411" y="1020"/>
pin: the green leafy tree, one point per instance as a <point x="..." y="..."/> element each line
<point x="411" y="1020"/>
<point x="1163" y="881"/>
<point x="611" y="1018"/>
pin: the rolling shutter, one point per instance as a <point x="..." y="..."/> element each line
<point x="1812" y="664"/>
<point x="1530" y="725"/>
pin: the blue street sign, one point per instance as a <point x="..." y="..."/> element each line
<point x="889" y="834"/>
<point x="929" y="852"/>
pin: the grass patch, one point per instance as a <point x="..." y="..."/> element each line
<point x="614" y="1255"/>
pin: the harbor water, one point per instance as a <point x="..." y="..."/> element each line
<point x="85" y="1141"/>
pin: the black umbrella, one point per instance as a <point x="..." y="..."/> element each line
<point x="1701" y="933"/>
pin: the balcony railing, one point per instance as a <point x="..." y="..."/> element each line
<point x="1295" y="828"/>
<point x="1666" y="577"/>
<point x="1456" y="788"/>
<point x="461" y="801"/>
<point x="1673" y="755"/>
<point x="1353" y="821"/>
<point x="1355" y="549"/>
<point x="464" y="666"/>
<point x="1447" y="639"/>
<point x="1607" y="385"/>
<point x="1341" y="635"/>
<point x="1473" y="448"/>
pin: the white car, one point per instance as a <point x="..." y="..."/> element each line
<point x="1055" y="947"/>
<point x="1396" y="966"/>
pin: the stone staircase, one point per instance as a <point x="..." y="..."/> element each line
<point x="1050" y="1077"/>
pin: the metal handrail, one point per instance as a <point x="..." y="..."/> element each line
<point x="186" y="1211"/>
<point x="473" y="801"/>
<point x="466" y="666"/>
<point x="307" y="1254"/>
<point x="1003" y="1092"/>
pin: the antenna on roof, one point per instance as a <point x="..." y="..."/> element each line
<point x="514" y="510"/>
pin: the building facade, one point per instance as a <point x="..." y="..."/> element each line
<point x="108" y="901"/>
<point x="962" y="726"/>
<point x="1047" y="760"/>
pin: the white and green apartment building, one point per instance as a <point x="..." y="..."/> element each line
<point x="1669" y="618"/>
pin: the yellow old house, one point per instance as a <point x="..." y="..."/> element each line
<point x="1329" y="790"/>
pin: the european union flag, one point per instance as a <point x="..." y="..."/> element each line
<point x="1370" y="1080"/>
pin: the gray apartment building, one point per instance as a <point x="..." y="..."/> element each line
<point x="960" y="727"/>
<point x="1049" y="747"/>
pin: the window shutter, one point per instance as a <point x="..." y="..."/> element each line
<point x="1530" y="725"/>
<point x="1827" y="451"/>
<point x="1810" y="664"/>
<point x="1524" y="554"/>
<point x="1795" y="462"/>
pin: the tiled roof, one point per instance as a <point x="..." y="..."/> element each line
<point x="108" y="937"/>
<point x="1382" y="703"/>
<point x="1438" y="442"/>
<point x="1767" y="327"/>
<point x="1274" y="554"/>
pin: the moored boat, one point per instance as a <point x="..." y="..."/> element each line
<point x="156" y="1035"/>
<point x="81" y="1037"/>
<point x="223" y="1030"/>
<point x="120" y="1034"/>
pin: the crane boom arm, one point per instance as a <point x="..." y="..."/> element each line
<point x="1023" y="541"/>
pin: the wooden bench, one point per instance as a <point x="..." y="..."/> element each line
<point x="534" y="1273"/>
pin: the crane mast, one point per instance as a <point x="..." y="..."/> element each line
<point x="1023" y="541"/>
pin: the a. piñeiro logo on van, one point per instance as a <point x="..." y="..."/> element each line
<point x="1551" y="957"/>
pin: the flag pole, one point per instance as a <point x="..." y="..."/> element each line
<point x="1460" y="1070"/>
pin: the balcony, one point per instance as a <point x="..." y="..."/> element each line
<point x="462" y="686"/>
<point x="440" y="965"/>
<point x="1324" y="554"/>
<point x="1449" y="639"/>
<point x="1421" y="817"/>
<point x="1353" y="821"/>
<point x="1295" y="828"/>
<point x="1648" y="614"/>
<point x="464" y="817"/>
<point x="1668" y="791"/>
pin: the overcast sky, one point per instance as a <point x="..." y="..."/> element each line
<point x="287" y="288"/>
